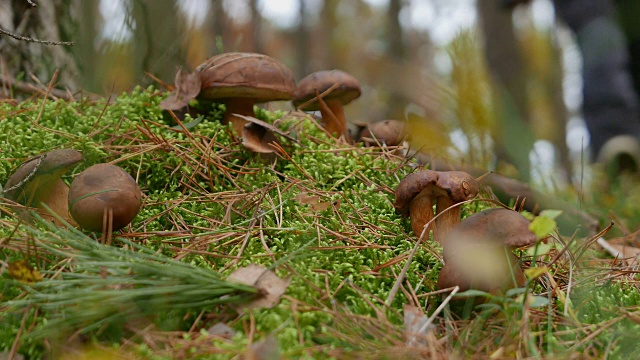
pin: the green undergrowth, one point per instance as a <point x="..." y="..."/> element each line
<point x="326" y="212"/>
<point x="320" y="214"/>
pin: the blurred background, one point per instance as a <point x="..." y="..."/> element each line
<point x="478" y="82"/>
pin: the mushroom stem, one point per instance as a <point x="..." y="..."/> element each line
<point x="421" y="210"/>
<point x="54" y="196"/>
<point x="446" y="221"/>
<point x="334" y="118"/>
<point x="241" y="106"/>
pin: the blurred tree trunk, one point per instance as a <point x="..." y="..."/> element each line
<point x="302" y="40"/>
<point x="512" y="135"/>
<point x="328" y="24"/>
<point x="48" y="21"/>
<point x="157" y="39"/>
<point x="86" y="33"/>
<point x="219" y="27"/>
<point x="396" y="53"/>
<point x="256" y="27"/>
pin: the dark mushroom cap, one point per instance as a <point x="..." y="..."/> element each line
<point x="245" y="75"/>
<point x="504" y="225"/>
<point x="102" y="187"/>
<point x="457" y="185"/>
<point x="38" y="172"/>
<point x="347" y="90"/>
<point x="389" y="132"/>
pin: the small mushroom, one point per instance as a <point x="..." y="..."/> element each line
<point x="388" y="132"/>
<point x="104" y="197"/>
<point x="38" y="182"/>
<point x="239" y="80"/>
<point x="419" y="191"/>
<point x="344" y="89"/>
<point x="478" y="251"/>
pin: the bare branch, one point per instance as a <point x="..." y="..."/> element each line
<point x="32" y="3"/>
<point x="28" y="39"/>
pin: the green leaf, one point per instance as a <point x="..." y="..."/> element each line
<point x="472" y="293"/>
<point x="539" y="249"/>
<point x="539" y="301"/>
<point x="543" y="225"/>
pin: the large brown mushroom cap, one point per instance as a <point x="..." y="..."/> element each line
<point x="459" y="186"/>
<point x="103" y="191"/>
<point x="347" y="88"/>
<point x="38" y="182"/>
<point x="506" y="226"/>
<point x="245" y="75"/>
<point x="477" y="252"/>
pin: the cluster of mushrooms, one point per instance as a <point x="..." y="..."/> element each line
<point x="240" y="80"/>
<point x="477" y="251"/>
<point x="101" y="198"/>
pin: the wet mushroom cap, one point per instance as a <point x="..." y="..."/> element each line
<point x="38" y="172"/>
<point x="100" y="188"/>
<point x="245" y="75"/>
<point x="347" y="90"/>
<point x="457" y="185"/>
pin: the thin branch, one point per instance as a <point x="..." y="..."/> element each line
<point x="32" y="3"/>
<point x="28" y="39"/>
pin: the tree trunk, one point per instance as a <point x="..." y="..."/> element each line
<point x="512" y="137"/>
<point x="43" y="22"/>
<point x="396" y="51"/>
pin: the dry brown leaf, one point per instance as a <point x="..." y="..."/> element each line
<point x="263" y="350"/>
<point x="270" y="285"/>
<point x="313" y="201"/>
<point x="187" y="87"/>
<point x="267" y="126"/>
<point x="620" y="251"/>
<point x="414" y="321"/>
<point x="258" y="139"/>
<point x="221" y="330"/>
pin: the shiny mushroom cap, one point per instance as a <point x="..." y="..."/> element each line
<point x="456" y="185"/>
<point x="347" y="88"/>
<point x="104" y="197"/>
<point x="245" y="75"/>
<point x="33" y="177"/>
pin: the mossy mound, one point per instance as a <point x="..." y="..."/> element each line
<point x="323" y="211"/>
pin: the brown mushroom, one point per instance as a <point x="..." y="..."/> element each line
<point x="239" y="80"/>
<point x="419" y="191"/>
<point x="38" y="182"/>
<point x="478" y="251"/>
<point x="387" y="132"/>
<point x="344" y="89"/>
<point x="104" y="197"/>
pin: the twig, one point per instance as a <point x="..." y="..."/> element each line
<point x="28" y="39"/>
<point x="32" y="3"/>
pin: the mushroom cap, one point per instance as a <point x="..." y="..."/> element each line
<point x="245" y="75"/>
<point x="389" y="132"/>
<point x="507" y="227"/>
<point x="102" y="187"/>
<point x="456" y="185"/>
<point x="318" y="82"/>
<point x="38" y="172"/>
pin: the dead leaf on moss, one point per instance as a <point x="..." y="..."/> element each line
<point x="629" y="253"/>
<point x="414" y="329"/>
<point x="187" y="87"/>
<point x="313" y="201"/>
<point x="221" y="330"/>
<point x="270" y="285"/>
<point x="258" y="139"/>
<point x="263" y="350"/>
<point x="21" y="270"/>
<point x="267" y="126"/>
